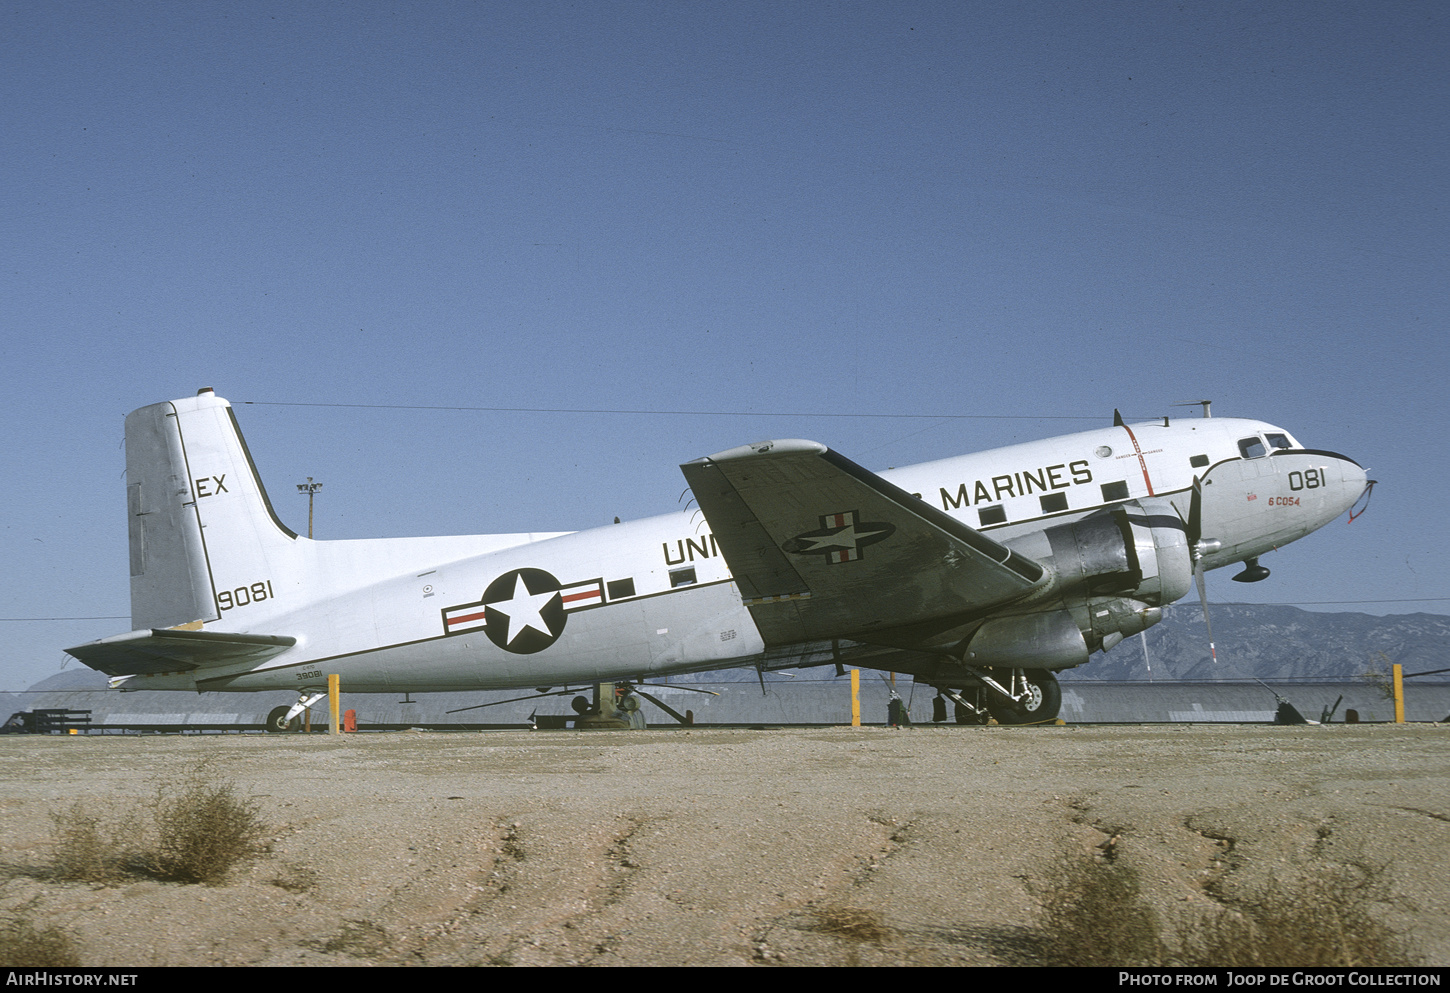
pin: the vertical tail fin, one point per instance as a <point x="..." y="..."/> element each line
<point x="204" y="538"/>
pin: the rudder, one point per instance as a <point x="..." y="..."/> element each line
<point x="204" y="538"/>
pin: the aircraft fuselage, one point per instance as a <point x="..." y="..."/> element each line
<point x="656" y="596"/>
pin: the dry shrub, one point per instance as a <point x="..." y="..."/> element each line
<point x="203" y="829"/>
<point x="1324" y="922"/>
<point x="191" y="831"/>
<point x="24" y="946"/>
<point x="87" y="849"/>
<point x="1095" y="916"/>
<point x="852" y="923"/>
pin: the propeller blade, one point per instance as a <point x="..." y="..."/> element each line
<point x="677" y="686"/>
<point x="1195" y="513"/>
<point x="1203" y="599"/>
<point x="662" y="705"/>
<point x="494" y="703"/>
<point x="1197" y="548"/>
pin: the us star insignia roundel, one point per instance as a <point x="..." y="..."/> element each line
<point x="840" y="538"/>
<point x="524" y="610"/>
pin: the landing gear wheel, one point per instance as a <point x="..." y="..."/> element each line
<point x="1040" y="705"/>
<point x="277" y="720"/>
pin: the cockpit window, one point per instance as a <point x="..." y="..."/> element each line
<point x="1278" y="441"/>
<point x="1252" y="448"/>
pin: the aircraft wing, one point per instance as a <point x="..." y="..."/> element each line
<point x="171" y="650"/>
<point x="820" y="548"/>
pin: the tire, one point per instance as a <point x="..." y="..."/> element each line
<point x="1043" y="702"/>
<point x="277" y="720"/>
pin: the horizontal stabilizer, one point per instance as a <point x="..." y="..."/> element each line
<point x="821" y="548"/>
<point x="168" y="650"/>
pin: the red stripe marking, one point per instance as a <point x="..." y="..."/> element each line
<point x="464" y="618"/>
<point x="1142" y="462"/>
<point x="587" y="594"/>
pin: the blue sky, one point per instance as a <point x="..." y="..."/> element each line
<point x="1005" y="219"/>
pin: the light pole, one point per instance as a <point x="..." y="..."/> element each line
<point x="310" y="488"/>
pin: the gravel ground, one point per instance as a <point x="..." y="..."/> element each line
<point x="871" y="846"/>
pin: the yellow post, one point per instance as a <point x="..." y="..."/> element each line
<point x="1399" y="694"/>
<point x="332" y="685"/>
<point x="855" y="698"/>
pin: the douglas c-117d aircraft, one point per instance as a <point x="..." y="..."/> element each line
<point x="980" y="575"/>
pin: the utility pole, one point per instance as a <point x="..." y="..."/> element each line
<point x="310" y="488"/>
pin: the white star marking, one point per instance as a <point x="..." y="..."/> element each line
<point x="524" y="611"/>
<point x="848" y="537"/>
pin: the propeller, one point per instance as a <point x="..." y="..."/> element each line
<point x="1198" y="547"/>
<point x="494" y="703"/>
<point x="635" y="688"/>
<point x="663" y="706"/>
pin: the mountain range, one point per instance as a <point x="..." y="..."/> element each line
<point x="1256" y="641"/>
<point x="1253" y="641"/>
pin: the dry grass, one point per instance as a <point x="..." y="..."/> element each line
<point x="296" y="878"/>
<point x="23" y="945"/>
<point x="851" y="923"/>
<point x="194" y="830"/>
<point x="1323" y="922"/>
<point x="1095" y="915"/>
<point x="88" y="849"/>
<point x="1380" y="674"/>
<point x="203" y="829"/>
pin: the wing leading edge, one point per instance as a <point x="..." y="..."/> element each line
<point x="821" y="548"/>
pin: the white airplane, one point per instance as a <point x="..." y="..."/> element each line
<point x="981" y="575"/>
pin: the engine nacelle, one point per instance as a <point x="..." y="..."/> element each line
<point x="1107" y="622"/>
<point x="1138" y="548"/>
<point x="1059" y="639"/>
<point x="1113" y="572"/>
<point x="1043" y="640"/>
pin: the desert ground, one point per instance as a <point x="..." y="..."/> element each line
<point x="869" y="846"/>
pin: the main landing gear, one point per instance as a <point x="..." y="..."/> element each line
<point x="1010" y="696"/>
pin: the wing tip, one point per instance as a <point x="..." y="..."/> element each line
<point x="773" y="448"/>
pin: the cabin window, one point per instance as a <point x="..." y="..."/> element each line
<point x="1252" y="448"/>
<point x="682" y="577"/>
<point x="620" y="589"/>
<point x="1278" y="441"/>
<point x="1115" y="491"/>
<point x="1198" y="461"/>
<point x="1054" y="503"/>
<point x="992" y="515"/>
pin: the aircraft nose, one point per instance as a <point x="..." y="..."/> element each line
<point x="1341" y="477"/>
<point x="1356" y="482"/>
